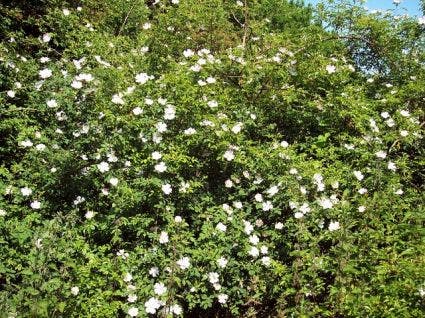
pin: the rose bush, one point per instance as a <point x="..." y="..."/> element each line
<point x="211" y="159"/>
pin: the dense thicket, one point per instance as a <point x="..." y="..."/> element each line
<point x="210" y="158"/>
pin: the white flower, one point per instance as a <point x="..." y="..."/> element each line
<point x="123" y="254"/>
<point x="61" y="116"/>
<point x="175" y="1"/>
<point x="35" y="205"/>
<point x="385" y="115"/>
<point x="221" y="227"/>
<point x="212" y="104"/>
<point x="152" y="305"/>
<point x="278" y="226"/>
<point x="391" y="166"/>
<point x="237" y="204"/>
<point x="142" y="78"/>
<point x="79" y="199"/>
<point x="254" y="252"/>
<point x="76" y="84"/>
<point x="273" y="190"/>
<point x="26" y="143"/>
<point x="111" y="157"/>
<point x="248" y="227"/>
<point x="422" y="290"/>
<point x="284" y="144"/>
<point x="51" y="103"/>
<point x="26" y="191"/>
<point x="162" y="101"/>
<point x="237" y="128"/>
<point x="127" y="277"/>
<point x="259" y="197"/>
<point x="183" y="263"/>
<point x="213" y="277"/>
<point x="131" y="298"/>
<point x="298" y="215"/>
<point x="188" y="53"/>
<point x="154" y="271"/>
<point x="75" y="290"/>
<point x="133" y="311"/>
<point x="222" y="262"/>
<point x="229" y="155"/>
<point x="362" y="190"/>
<point x="89" y="215"/>
<point x="222" y="298"/>
<point x="156" y="155"/>
<point x="66" y="12"/>
<point x="349" y="146"/>
<point x="404" y="133"/>
<point x="390" y="122"/>
<point x="103" y="166"/>
<point x="176" y="309"/>
<point x="85" y="77"/>
<point x="161" y="127"/>
<point x="333" y="226"/>
<point x="178" y="219"/>
<point x="159" y="289"/>
<point x="113" y="181"/>
<point x="190" y="131"/>
<point x="196" y="68"/>
<point x="167" y="189"/>
<point x="46" y="37"/>
<point x="267" y="206"/>
<point x="362" y="208"/>
<point x="399" y="192"/>
<point x="359" y="176"/>
<point x="330" y="69"/>
<point x="211" y="80"/>
<point x="305" y="208"/>
<point x="325" y="203"/>
<point x="318" y="178"/>
<point x="254" y="240"/>
<point x="2" y="212"/>
<point x="160" y="167"/>
<point x="45" y="73"/>
<point x="11" y="93"/>
<point x="147" y="26"/>
<point x="266" y="260"/>
<point x="169" y="112"/>
<point x="117" y="99"/>
<point x="228" y="183"/>
<point x="404" y="113"/>
<point x="163" y="237"/>
<point x="137" y="111"/>
<point x="381" y="154"/>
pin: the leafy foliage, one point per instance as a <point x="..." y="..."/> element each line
<point x="211" y="159"/>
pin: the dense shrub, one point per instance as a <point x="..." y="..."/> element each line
<point x="211" y="159"/>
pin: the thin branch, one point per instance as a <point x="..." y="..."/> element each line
<point x="126" y="18"/>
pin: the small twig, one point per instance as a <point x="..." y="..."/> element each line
<point x="20" y="109"/>
<point x="126" y="18"/>
<point x="245" y="25"/>
<point x="237" y="20"/>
